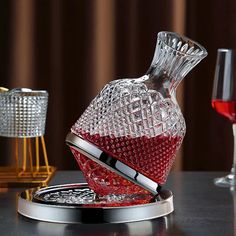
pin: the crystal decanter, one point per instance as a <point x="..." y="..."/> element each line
<point x="126" y="140"/>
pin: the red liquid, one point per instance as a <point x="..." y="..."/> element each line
<point x="152" y="157"/>
<point x="105" y="182"/>
<point x="225" y="108"/>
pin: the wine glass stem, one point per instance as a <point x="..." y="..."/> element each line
<point x="233" y="170"/>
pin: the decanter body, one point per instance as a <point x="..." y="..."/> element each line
<point x="138" y="121"/>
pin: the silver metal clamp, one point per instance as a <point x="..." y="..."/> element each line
<point x="93" y="152"/>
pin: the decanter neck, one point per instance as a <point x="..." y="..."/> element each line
<point x="174" y="57"/>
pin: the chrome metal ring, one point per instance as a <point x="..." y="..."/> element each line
<point x="93" y="152"/>
<point x="45" y="210"/>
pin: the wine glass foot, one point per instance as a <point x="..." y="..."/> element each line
<point x="226" y="181"/>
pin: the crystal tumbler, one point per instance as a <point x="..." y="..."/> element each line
<point x="22" y="119"/>
<point x="23" y="113"/>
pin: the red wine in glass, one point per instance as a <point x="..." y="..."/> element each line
<point x="224" y="102"/>
<point x="225" y="108"/>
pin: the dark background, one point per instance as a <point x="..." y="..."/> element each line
<point x="73" y="47"/>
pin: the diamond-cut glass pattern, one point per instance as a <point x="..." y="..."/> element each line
<point x="85" y="197"/>
<point x="135" y="125"/>
<point x="23" y="113"/>
<point x="105" y="182"/>
<point x="138" y="121"/>
<point x="119" y="110"/>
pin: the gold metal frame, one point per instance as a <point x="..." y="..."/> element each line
<point x="28" y="170"/>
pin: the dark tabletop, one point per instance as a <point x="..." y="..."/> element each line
<point x="200" y="209"/>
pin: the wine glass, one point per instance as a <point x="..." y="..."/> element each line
<point x="224" y="102"/>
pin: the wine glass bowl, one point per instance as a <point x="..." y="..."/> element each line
<point x="224" y="102"/>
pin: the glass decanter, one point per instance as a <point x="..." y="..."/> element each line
<point x="138" y="122"/>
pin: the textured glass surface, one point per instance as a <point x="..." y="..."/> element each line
<point x="138" y="121"/>
<point x="23" y="113"/>
<point x="87" y="197"/>
<point x="106" y="182"/>
<point x="71" y="196"/>
<point x="127" y="108"/>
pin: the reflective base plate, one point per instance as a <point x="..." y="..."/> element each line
<point x="76" y="203"/>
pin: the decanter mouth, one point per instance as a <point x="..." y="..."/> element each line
<point x="182" y="44"/>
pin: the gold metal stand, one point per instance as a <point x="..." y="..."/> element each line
<point x="30" y="170"/>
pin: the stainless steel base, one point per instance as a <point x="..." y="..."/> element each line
<point x="76" y="203"/>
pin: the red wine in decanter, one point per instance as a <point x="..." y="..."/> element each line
<point x="153" y="157"/>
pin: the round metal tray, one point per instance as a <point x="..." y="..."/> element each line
<point x="76" y="203"/>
